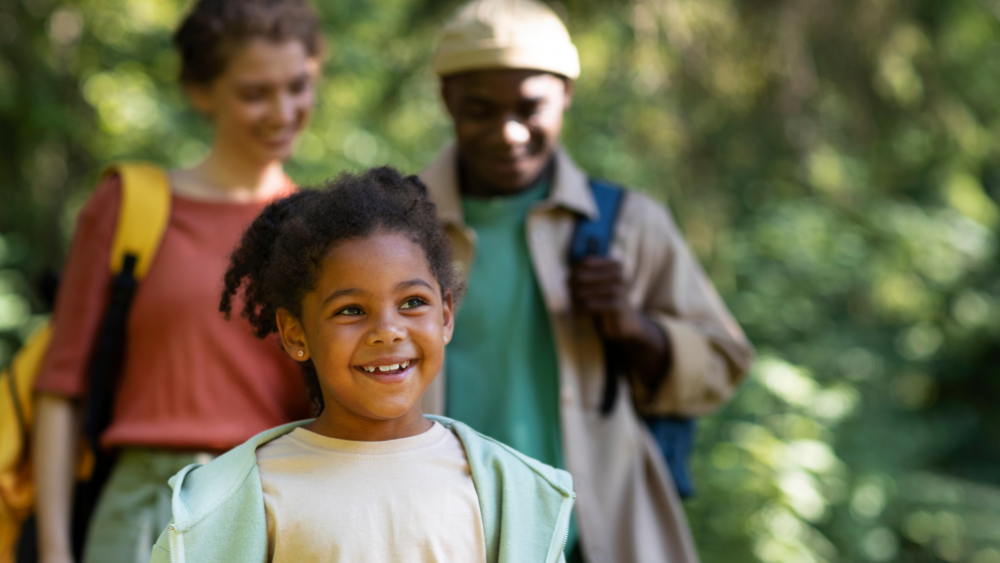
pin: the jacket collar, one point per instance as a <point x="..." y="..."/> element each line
<point x="570" y="188"/>
<point x="196" y="492"/>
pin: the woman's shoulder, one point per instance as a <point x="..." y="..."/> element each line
<point x="98" y="217"/>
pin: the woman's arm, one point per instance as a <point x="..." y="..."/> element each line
<point x="54" y="446"/>
<point x="62" y="381"/>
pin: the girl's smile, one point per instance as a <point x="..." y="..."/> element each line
<point x="389" y="369"/>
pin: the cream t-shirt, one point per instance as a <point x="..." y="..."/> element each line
<point x="408" y="500"/>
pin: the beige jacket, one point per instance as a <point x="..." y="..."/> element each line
<point x="628" y="509"/>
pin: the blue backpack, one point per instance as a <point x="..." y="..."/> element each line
<point x="674" y="435"/>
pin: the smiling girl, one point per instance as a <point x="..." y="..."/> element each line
<point x="191" y="384"/>
<point x="357" y="279"/>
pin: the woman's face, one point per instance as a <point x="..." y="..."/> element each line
<point x="262" y="100"/>
<point x="374" y="328"/>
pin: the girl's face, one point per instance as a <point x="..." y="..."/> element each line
<point x="263" y="99"/>
<point x="374" y="327"/>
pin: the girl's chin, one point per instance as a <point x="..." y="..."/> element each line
<point x="388" y="409"/>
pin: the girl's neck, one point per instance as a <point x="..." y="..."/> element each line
<point x="226" y="175"/>
<point x="338" y="423"/>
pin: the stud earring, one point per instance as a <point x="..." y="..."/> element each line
<point x="445" y="339"/>
<point x="301" y="353"/>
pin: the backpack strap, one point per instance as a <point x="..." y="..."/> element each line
<point x="143" y="214"/>
<point x="142" y="220"/>
<point x="593" y="236"/>
<point x="674" y="435"/>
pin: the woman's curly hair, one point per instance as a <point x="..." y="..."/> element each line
<point x="279" y="258"/>
<point x="213" y="28"/>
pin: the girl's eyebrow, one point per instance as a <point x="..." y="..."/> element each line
<point x="340" y="292"/>
<point x="354" y="290"/>
<point x="412" y="283"/>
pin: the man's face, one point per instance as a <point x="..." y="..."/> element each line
<point x="507" y="123"/>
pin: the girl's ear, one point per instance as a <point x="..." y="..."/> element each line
<point x="293" y="336"/>
<point x="448" y="308"/>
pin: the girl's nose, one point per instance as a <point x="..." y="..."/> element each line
<point x="387" y="330"/>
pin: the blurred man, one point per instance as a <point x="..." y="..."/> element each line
<point x="527" y="363"/>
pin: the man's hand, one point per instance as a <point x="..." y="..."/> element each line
<point x="597" y="286"/>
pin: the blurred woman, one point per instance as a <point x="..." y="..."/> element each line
<point x="192" y="384"/>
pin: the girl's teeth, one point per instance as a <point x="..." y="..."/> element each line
<point x="393" y="367"/>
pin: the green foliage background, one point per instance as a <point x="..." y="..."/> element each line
<point x="835" y="165"/>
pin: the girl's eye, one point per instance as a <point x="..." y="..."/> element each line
<point x="412" y="303"/>
<point x="350" y="311"/>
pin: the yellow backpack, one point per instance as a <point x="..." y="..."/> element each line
<point x="142" y="220"/>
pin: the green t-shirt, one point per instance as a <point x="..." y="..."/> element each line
<point x="503" y="371"/>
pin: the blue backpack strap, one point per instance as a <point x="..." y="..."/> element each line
<point x="593" y="237"/>
<point x="673" y="435"/>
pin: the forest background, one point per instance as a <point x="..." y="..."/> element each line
<point x="835" y="165"/>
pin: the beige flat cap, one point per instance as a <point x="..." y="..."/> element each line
<point x="493" y="34"/>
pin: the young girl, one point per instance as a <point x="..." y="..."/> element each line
<point x="357" y="280"/>
<point x="191" y="384"/>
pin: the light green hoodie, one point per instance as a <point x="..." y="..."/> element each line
<point x="219" y="508"/>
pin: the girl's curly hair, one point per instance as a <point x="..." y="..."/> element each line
<point x="278" y="260"/>
<point x="213" y="28"/>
